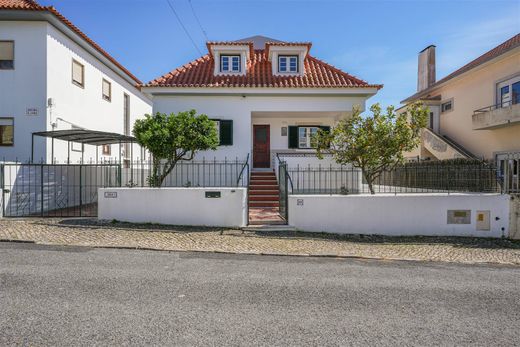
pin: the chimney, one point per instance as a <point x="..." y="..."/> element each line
<point x="426" y="71"/>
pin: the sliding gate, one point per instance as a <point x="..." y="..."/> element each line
<point x="54" y="190"/>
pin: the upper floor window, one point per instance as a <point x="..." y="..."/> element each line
<point x="107" y="90"/>
<point x="447" y="106"/>
<point x="509" y="92"/>
<point x="6" y="55"/>
<point x="78" y="73"/>
<point x="288" y="63"/>
<point x="6" y="131"/>
<point x="230" y="63"/>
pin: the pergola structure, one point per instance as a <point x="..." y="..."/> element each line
<point x="85" y="137"/>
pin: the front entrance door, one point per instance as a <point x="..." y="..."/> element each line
<point x="261" y="146"/>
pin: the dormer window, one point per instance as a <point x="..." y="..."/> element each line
<point x="288" y="63"/>
<point x="230" y="63"/>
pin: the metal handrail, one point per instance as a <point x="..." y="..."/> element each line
<point x="495" y="106"/>
<point x="283" y="162"/>
<point x="246" y="164"/>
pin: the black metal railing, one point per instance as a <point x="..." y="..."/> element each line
<point x="202" y="173"/>
<point x="54" y="190"/>
<point x="508" y="165"/>
<point x="285" y="187"/>
<point x="244" y="173"/>
<point x="508" y="103"/>
<point x="434" y="177"/>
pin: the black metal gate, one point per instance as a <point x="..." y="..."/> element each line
<point x="284" y="180"/>
<point x="54" y="190"/>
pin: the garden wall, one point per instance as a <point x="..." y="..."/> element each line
<point x="226" y="207"/>
<point x="483" y="215"/>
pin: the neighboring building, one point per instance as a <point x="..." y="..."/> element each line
<point x="475" y="111"/>
<point x="266" y="96"/>
<point x="53" y="77"/>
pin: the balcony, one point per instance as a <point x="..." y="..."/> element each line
<point x="496" y="116"/>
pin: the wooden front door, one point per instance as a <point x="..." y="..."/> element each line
<point x="261" y="146"/>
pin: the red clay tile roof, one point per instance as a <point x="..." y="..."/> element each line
<point x="494" y="53"/>
<point x="318" y="74"/>
<point x="19" y="5"/>
<point x="34" y="6"/>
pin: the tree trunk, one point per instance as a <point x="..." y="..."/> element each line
<point x="370" y="182"/>
<point x="153" y="180"/>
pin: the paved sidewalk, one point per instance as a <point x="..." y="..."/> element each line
<point x="93" y="233"/>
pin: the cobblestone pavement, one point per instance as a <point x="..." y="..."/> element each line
<point x="94" y="233"/>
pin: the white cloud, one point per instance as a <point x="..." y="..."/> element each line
<point x="456" y="46"/>
<point x="461" y="45"/>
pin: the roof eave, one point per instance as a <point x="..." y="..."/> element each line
<point x="444" y="81"/>
<point x="368" y="90"/>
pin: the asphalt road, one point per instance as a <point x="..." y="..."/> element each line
<point x="81" y="296"/>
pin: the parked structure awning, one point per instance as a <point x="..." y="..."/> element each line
<point x="85" y="136"/>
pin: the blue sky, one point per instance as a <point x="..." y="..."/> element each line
<point x="377" y="41"/>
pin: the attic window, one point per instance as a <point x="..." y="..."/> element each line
<point x="230" y="63"/>
<point x="288" y="63"/>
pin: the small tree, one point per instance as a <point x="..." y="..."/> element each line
<point x="172" y="138"/>
<point x="374" y="143"/>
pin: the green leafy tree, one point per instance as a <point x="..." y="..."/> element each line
<point x="374" y="143"/>
<point x="173" y="138"/>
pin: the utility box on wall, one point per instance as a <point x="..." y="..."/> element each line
<point x="483" y="222"/>
<point x="459" y="216"/>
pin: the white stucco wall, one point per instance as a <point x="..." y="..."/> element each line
<point x="405" y="214"/>
<point x="24" y="86"/>
<point x="179" y="206"/>
<point x="85" y="106"/>
<point x="43" y="69"/>
<point x="241" y="108"/>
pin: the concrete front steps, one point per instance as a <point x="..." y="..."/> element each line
<point x="264" y="199"/>
<point x="263" y="190"/>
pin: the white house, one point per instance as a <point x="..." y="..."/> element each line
<point x="267" y="96"/>
<point x="53" y="77"/>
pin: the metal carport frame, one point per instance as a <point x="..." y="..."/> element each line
<point x="83" y="136"/>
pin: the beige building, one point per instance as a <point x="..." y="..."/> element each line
<point x="474" y="111"/>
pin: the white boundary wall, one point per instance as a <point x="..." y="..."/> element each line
<point x="397" y="215"/>
<point x="179" y="206"/>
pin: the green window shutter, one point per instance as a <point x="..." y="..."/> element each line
<point x="293" y="137"/>
<point x="325" y="128"/>
<point x="226" y="132"/>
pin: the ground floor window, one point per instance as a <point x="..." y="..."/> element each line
<point x="224" y="131"/>
<point x="6" y="131"/>
<point x="304" y="137"/>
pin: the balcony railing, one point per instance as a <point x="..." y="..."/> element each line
<point x="494" y="107"/>
<point x="496" y="116"/>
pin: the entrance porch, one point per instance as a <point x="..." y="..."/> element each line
<point x="277" y="134"/>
